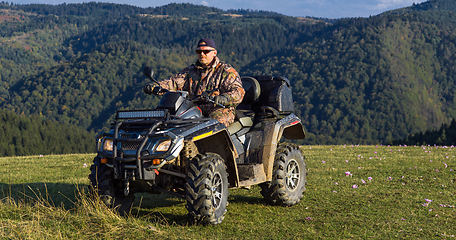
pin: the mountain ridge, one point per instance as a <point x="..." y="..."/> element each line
<point x="357" y="80"/>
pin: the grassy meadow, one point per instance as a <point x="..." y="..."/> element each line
<point x="353" y="192"/>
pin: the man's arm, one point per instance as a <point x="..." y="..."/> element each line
<point x="232" y="87"/>
<point x="177" y="82"/>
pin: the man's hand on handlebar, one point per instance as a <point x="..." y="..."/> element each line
<point x="223" y="99"/>
<point x="153" y="89"/>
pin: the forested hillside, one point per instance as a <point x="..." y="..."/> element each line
<point x="445" y="136"/>
<point x="33" y="135"/>
<point x="355" y="80"/>
<point x="374" y="79"/>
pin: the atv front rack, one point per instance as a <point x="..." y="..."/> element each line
<point x="158" y="127"/>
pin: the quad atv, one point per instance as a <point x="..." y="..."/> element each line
<point x="174" y="150"/>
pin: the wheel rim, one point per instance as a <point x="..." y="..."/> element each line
<point x="292" y="177"/>
<point x="217" y="188"/>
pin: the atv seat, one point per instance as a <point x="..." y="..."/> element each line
<point x="244" y="113"/>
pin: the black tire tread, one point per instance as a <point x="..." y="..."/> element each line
<point x="275" y="192"/>
<point x="198" y="186"/>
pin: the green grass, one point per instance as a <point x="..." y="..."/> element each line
<point x="44" y="197"/>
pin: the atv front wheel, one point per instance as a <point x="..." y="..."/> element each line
<point x="102" y="187"/>
<point x="288" y="177"/>
<point x="207" y="189"/>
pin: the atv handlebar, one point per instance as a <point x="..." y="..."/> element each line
<point x="156" y="90"/>
<point x="206" y="98"/>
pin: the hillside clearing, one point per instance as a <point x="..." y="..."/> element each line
<point x="353" y="192"/>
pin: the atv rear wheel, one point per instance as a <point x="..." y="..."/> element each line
<point x="103" y="187"/>
<point x="288" y="177"/>
<point x="207" y="189"/>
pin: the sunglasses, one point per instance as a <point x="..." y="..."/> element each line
<point x="203" y="51"/>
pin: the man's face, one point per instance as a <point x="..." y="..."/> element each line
<point x="206" y="55"/>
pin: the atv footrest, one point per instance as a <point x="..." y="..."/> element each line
<point x="252" y="174"/>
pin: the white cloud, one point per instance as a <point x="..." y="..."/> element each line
<point x="204" y="3"/>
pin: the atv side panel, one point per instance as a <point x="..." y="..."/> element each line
<point x="220" y="143"/>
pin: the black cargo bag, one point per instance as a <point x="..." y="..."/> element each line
<point x="275" y="93"/>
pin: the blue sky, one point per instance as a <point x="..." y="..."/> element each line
<point x="297" y="8"/>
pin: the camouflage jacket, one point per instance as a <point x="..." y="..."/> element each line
<point x="219" y="77"/>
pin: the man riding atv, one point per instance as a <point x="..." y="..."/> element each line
<point x="173" y="149"/>
<point x="208" y="74"/>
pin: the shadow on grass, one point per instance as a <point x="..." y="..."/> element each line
<point x="246" y="196"/>
<point x="163" y="208"/>
<point x="57" y="194"/>
<point x="163" y="218"/>
<point x="245" y="199"/>
<point x="170" y="210"/>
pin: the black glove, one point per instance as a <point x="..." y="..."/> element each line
<point x="152" y="89"/>
<point x="223" y="99"/>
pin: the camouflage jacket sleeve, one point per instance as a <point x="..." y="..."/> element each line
<point x="232" y="86"/>
<point x="175" y="83"/>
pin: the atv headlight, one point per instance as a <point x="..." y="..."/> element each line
<point x="108" y="144"/>
<point x="163" y="146"/>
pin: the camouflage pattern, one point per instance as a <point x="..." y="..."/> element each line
<point x="223" y="115"/>
<point x="218" y="78"/>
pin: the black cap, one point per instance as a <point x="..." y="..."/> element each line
<point x="206" y="42"/>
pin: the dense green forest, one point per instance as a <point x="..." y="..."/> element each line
<point x="445" y="136"/>
<point x="34" y="135"/>
<point x="355" y="80"/>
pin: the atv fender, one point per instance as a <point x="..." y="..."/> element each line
<point x="220" y="143"/>
<point x="289" y="127"/>
<point x="295" y="131"/>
